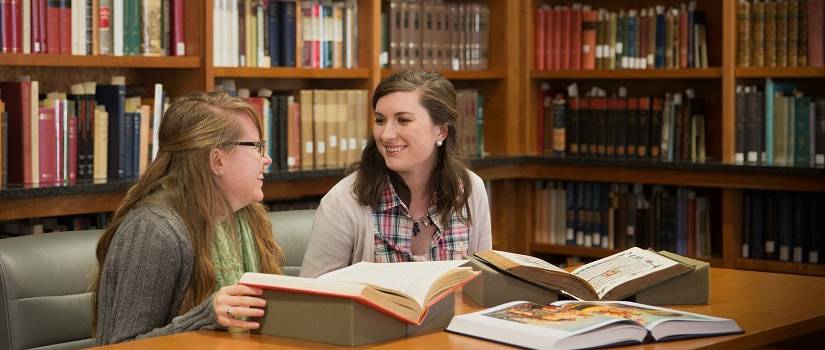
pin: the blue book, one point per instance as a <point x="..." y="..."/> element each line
<point x="659" y="59"/>
<point x="113" y="98"/>
<point x="288" y="33"/>
<point x="273" y="17"/>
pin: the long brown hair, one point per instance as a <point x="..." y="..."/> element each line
<point x="450" y="178"/>
<point x="191" y="127"/>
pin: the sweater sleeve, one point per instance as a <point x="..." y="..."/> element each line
<point x="481" y="216"/>
<point x="334" y="233"/>
<point x="145" y="275"/>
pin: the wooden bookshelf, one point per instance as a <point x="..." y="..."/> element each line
<point x="687" y="73"/>
<point x="781" y="72"/>
<point x="46" y="60"/>
<point x="780" y="267"/>
<point x="291" y="73"/>
<point x="487" y="74"/>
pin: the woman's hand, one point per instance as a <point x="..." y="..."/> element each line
<point x="237" y="301"/>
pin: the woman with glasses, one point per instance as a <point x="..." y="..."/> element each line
<point x="411" y="198"/>
<point x="171" y="257"/>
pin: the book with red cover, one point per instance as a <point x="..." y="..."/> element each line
<point x="376" y="285"/>
<point x="816" y="12"/>
<point x="588" y="60"/>
<point x="178" y="41"/>
<point x="565" y="33"/>
<point x="53" y="27"/>
<point x="49" y="133"/>
<point x="575" y="38"/>
<point x="17" y="97"/>
<point x="548" y="38"/>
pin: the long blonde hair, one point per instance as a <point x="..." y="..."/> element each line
<point x="191" y="127"/>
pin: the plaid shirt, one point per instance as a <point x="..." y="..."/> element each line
<point x="393" y="232"/>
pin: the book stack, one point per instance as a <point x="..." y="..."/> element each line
<point x="434" y="35"/>
<point x="780" y="33"/>
<point x="783" y="226"/>
<point x="580" y="37"/>
<point x="94" y="27"/>
<point x="619" y="216"/>
<point x="304" y="33"/>
<point x="669" y="127"/>
<point x="776" y="124"/>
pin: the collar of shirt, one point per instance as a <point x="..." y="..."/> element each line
<point x="390" y="199"/>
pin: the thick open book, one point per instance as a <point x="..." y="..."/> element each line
<point x="402" y="290"/>
<point x="612" y="278"/>
<point x="586" y="324"/>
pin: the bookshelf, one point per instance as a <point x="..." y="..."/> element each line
<point x="716" y="84"/>
<point x="509" y="85"/>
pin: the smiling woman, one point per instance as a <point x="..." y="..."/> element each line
<point x="411" y="197"/>
<point x="189" y="228"/>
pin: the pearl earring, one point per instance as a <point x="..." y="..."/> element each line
<point x="439" y="143"/>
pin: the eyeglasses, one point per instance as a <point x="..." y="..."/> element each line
<point x="261" y="145"/>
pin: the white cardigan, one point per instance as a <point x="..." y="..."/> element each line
<point x="343" y="232"/>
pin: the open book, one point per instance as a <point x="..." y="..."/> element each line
<point x="402" y="290"/>
<point x="586" y="324"/>
<point x="612" y="278"/>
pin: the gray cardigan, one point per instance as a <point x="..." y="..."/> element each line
<point x="144" y="278"/>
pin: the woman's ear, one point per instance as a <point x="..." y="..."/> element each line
<point x="216" y="162"/>
<point x="441" y="132"/>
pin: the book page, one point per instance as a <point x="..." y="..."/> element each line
<point x="607" y="273"/>
<point x="529" y="261"/>
<point x="413" y="279"/>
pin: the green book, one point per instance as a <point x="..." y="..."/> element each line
<point x="802" y="132"/>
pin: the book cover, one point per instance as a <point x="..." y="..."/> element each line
<point x="576" y="325"/>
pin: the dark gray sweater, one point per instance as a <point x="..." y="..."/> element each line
<point x="144" y="278"/>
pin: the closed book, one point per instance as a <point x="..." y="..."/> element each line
<point x="819" y="133"/>
<point x="307" y="130"/>
<point x="743" y="38"/>
<point x="739" y="125"/>
<point x="802" y="131"/>
<point x="113" y="99"/>
<point x="17" y="98"/>
<point x="49" y="132"/>
<point x="588" y="54"/>
<point x="178" y="32"/>
<point x="65" y="26"/>
<point x="816" y="26"/>
<point x="151" y="28"/>
<point x="105" y="27"/>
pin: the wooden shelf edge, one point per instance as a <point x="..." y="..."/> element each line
<point x="780" y="72"/>
<point x="488" y="74"/>
<point x="291" y="73"/>
<point x="46" y="60"/>
<point x="687" y="73"/>
<point x="699" y="177"/>
<point x="781" y="267"/>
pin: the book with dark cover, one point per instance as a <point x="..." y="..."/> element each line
<point x="754" y="133"/>
<point x="642" y="140"/>
<point x="757" y="247"/>
<point x="747" y="225"/>
<point x="819" y="133"/>
<point x="113" y="98"/>
<point x="274" y="44"/>
<point x="802" y="131"/>
<point x="772" y="208"/>
<point x="739" y="121"/>
<point x="288" y="13"/>
<point x="633" y="131"/>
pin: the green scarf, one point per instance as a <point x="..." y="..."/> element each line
<point x="232" y="256"/>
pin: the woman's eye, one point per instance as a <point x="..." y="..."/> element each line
<point x="379" y="121"/>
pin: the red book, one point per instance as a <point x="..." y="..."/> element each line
<point x="65" y="26"/>
<point x="565" y="38"/>
<point x="548" y="39"/>
<point x="15" y="35"/>
<point x="589" y="19"/>
<point x="557" y="37"/>
<point x="53" y="26"/>
<point x="5" y="21"/>
<point x="540" y="32"/>
<point x="48" y="129"/>
<point x="178" y="43"/>
<point x="17" y="96"/>
<point x="576" y="38"/>
<point x="72" y="152"/>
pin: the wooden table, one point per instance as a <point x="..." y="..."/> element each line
<point x="770" y="307"/>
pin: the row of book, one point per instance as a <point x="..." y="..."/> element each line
<point x="580" y="37"/>
<point x="95" y="132"/>
<point x="784" y="226"/>
<point x="670" y="127"/>
<point x="303" y="33"/>
<point x="434" y="35"/>
<point x="779" y="125"/>
<point x="620" y="216"/>
<point x="780" y="33"/>
<point x="321" y="129"/>
<point x="93" y="27"/>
